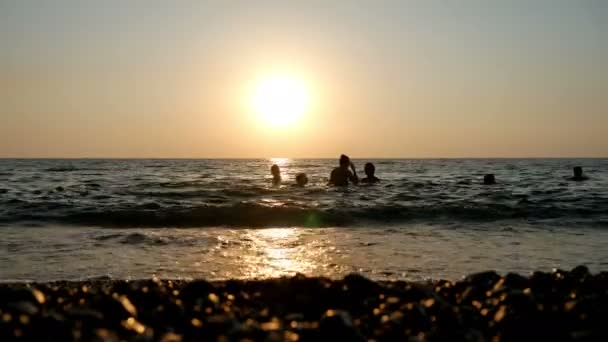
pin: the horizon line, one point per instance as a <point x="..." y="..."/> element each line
<point x="257" y="158"/>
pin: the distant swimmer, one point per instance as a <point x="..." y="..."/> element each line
<point x="276" y="174"/>
<point x="370" y="170"/>
<point x="489" y="179"/>
<point x="301" y="179"/>
<point x="578" y="174"/>
<point x="340" y="176"/>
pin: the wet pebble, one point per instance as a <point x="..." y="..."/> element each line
<point x="338" y="325"/>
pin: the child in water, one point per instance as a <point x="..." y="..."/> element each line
<point x="370" y="171"/>
<point x="301" y="179"/>
<point x="276" y="174"/>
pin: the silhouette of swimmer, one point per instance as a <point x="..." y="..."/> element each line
<point x="370" y="170"/>
<point x="489" y="179"/>
<point x="341" y="175"/>
<point x="301" y="179"/>
<point x="276" y="174"/>
<point x="578" y="174"/>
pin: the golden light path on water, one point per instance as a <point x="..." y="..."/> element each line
<point x="274" y="252"/>
<point x="269" y="252"/>
<point x="278" y="252"/>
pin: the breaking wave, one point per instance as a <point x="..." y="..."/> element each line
<point x="257" y="215"/>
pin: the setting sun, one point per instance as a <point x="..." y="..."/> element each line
<point x="281" y="100"/>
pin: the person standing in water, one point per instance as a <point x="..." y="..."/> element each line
<point x="276" y="174"/>
<point x="370" y="171"/>
<point x="341" y="175"/>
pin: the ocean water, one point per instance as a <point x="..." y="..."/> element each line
<point x="220" y="219"/>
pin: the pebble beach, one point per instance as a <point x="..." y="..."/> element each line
<point x="549" y="306"/>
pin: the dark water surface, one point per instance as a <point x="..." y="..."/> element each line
<point x="73" y="219"/>
<point x="238" y="193"/>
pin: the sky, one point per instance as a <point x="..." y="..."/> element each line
<point x="409" y="79"/>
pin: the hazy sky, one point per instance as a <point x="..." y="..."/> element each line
<point x="387" y="78"/>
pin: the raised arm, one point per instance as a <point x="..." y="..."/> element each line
<point x="354" y="178"/>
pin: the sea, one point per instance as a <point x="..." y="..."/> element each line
<point x="427" y="219"/>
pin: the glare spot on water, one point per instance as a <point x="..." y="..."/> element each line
<point x="278" y="252"/>
<point x="277" y="233"/>
<point x="280" y="161"/>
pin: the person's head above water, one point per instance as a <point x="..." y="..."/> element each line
<point x="489" y="179"/>
<point x="301" y="179"/>
<point x="274" y="170"/>
<point x="370" y="169"/>
<point x="276" y="173"/>
<point x="578" y="174"/>
<point x="344" y="161"/>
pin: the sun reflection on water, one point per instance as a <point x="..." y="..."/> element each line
<point x="272" y="252"/>
<point x="278" y="252"/>
<point x="280" y="161"/>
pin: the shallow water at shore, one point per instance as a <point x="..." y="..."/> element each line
<point x="413" y="252"/>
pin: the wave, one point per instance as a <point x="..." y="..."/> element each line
<point x="141" y="238"/>
<point x="62" y="169"/>
<point x="259" y="215"/>
<point x="133" y="239"/>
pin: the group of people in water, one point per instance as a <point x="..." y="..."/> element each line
<point x="347" y="173"/>
<point x="340" y="176"/>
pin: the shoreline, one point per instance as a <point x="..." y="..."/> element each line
<point x="561" y="305"/>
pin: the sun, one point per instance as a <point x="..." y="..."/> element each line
<point x="281" y="101"/>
